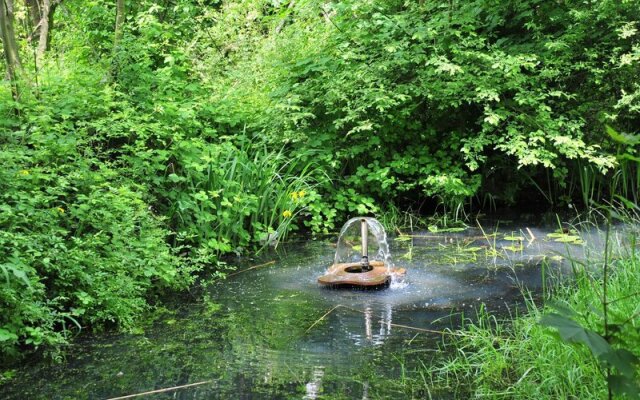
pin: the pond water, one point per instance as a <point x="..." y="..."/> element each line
<point x="271" y="332"/>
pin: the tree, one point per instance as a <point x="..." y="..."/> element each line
<point x="46" y="22"/>
<point x="9" y="44"/>
<point x="41" y="14"/>
<point x="120" y="12"/>
<point x="10" y="47"/>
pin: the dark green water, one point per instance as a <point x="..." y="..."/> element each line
<point x="253" y="336"/>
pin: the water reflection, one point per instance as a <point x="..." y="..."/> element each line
<point x="314" y="387"/>
<point x="384" y="322"/>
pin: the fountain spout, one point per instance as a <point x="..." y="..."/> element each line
<point x="364" y="233"/>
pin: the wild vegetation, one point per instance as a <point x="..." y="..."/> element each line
<point x="142" y="141"/>
<point x="588" y="354"/>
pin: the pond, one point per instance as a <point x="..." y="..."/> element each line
<point x="272" y="332"/>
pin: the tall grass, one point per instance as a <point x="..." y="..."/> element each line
<point x="396" y="220"/>
<point x="590" y="183"/>
<point x="628" y="180"/>
<point x="521" y="359"/>
<point x="228" y="197"/>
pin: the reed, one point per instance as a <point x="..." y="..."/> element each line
<point x="396" y="220"/>
<point x="229" y="197"/>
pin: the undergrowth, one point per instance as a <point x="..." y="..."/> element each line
<point x="521" y="358"/>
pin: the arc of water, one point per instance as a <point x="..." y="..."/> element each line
<point x="376" y="228"/>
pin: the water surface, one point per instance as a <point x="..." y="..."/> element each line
<point x="271" y="332"/>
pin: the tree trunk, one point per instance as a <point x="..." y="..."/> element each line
<point x="34" y="16"/>
<point x="120" y="12"/>
<point x="10" y="47"/>
<point x="46" y="21"/>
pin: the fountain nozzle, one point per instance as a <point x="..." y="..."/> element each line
<point x="364" y="233"/>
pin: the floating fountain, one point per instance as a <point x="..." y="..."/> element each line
<point x="352" y="266"/>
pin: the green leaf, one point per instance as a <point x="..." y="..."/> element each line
<point x="561" y="237"/>
<point x="629" y="157"/>
<point x="175" y="178"/>
<point x="5" y="335"/>
<point x="20" y="274"/>
<point x="572" y="332"/>
<point x="622" y="138"/>
<point x="563" y="308"/>
<point x="627" y="203"/>
<point x="472" y="249"/>
<point x="623" y="360"/>
<point x="514" y="248"/>
<point x="622" y="385"/>
<point x="15" y="269"/>
<point x="5" y="272"/>
<point x="514" y="238"/>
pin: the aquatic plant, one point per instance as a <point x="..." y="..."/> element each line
<point x="227" y="197"/>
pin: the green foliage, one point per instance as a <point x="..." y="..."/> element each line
<point x="627" y="178"/>
<point x="419" y="99"/>
<point x="607" y="324"/>
<point x="623" y="360"/>
<point x="217" y="126"/>
<point x="618" y="363"/>
<point x="227" y="198"/>
<point x="79" y="245"/>
<point x="493" y="358"/>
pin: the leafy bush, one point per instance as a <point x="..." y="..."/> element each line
<point x="407" y="100"/>
<point x="239" y="120"/>
<point x="78" y="245"/>
<point x="522" y="358"/>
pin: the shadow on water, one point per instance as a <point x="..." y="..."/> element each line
<point x="272" y="332"/>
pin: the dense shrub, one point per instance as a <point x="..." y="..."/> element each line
<point x="419" y="100"/>
<point x="79" y="245"/>
<point x="227" y="197"/>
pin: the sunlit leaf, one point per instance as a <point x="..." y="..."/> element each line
<point x="622" y="138"/>
<point x="5" y="335"/>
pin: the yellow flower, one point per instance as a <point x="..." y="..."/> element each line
<point x="297" y="195"/>
<point x="24" y="172"/>
<point x="60" y="210"/>
<point x="287" y="214"/>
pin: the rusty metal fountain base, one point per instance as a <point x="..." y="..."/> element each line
<point x="352" y="275"/>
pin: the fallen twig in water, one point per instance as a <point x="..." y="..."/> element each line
<point x="321" y="318"/>
<point x="445" y="236"/>
<point x="160" y="390"/>
<point x="422" y="236"/>
<point x="250" y="268"/>
<point x="532" y="236"/>
<point x="413" y="328"/>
